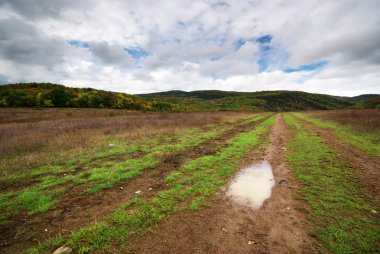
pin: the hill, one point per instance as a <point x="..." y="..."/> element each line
<point x="54" y="95"/>
<point x="358" y="99"/>
<point x="265" y="100"/>
<point x="373" y="102"/>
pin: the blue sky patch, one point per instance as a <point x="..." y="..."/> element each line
<point x="308" y="67"/>
<point x="137" y="53"/>
<point x="264" y="57"/>
<point x="264" y="39"/>
<point x="239" y="43"/>
<point x="79" y="44"/>
<point x="263" y="64"/>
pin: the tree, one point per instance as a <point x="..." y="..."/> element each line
<point x="60" y="97"/>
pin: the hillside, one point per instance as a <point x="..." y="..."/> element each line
<point x="53" y="95"/>
<point x="359" y="99"/>
<point x="373" y="102"/>
<point x="266" y="100"/>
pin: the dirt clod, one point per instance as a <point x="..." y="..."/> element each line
<point x="63" y="250"/>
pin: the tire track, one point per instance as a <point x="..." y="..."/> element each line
<point x="366" y="168"/>
<point x="79" y="209"/>
<point x="277" y="227"/>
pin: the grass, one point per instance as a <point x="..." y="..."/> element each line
<point x="365" y="120"/>
<point x="97" y="174"/>
<point x="364" y="141"/>
<point x="343" y="220"/>
<point x="189" y="188"/>
<point x="33" y="138"/>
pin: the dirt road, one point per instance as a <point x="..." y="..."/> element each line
<point x="277" y="227"/>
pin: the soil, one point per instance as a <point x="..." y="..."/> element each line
<point x="77" y="209"/>
<point x="279" y="226"/>
<point x="366" y="168"/>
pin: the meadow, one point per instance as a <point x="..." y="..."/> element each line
<point x="122" y="181"/>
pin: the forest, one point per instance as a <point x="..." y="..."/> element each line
<point x="45" y="95"/>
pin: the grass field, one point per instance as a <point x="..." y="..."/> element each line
<point x="108" y="181"/>
<point x="343" y="221"/>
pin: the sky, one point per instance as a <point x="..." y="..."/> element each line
<point x="144" y="46"/>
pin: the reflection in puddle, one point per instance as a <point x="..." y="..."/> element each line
<point x="252" y="186"/>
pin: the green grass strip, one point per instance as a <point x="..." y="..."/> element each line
<point x="39" y="197"/>
<point x="190" y="187"/>
<point x="367" y="142"/>
<point x="343" y="220"/>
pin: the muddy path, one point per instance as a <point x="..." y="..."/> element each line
<point x="279" y="226"/>
<point x="77" y="209"/>
<point x="366" y="168"/>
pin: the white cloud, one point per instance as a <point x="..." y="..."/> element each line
<point x="192" y="44"/>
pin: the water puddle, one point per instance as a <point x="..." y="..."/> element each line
<point x="252" y="186"/>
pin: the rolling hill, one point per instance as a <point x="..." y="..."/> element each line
<point x="265" y="100"/>
<point x="358" y="99"/>
<point x="53" y="95"/>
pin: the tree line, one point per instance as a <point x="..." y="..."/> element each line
<point x="42" y="95"/>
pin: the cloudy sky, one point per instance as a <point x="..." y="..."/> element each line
<point x="146" y="46"/>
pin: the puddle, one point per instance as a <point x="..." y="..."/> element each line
<point x="252" y="186"/>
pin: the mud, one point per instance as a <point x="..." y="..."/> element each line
<point x="279" y="226"/>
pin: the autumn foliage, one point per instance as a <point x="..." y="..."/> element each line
<point x="43" y="95"/>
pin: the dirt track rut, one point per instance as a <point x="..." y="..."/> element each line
<point x="77" y="209"/>
<point x="366" y="168"/>
<point x="277" y="227"/>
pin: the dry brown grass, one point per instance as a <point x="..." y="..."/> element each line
<point x="367" y="120"/>
<point x="35" y="137"/>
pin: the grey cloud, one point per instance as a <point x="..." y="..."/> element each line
<point x="40" y="9"/>
<point x="21" y="43"/>
<point x="112" y="54"/>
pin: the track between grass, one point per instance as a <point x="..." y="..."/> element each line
<point x="365" y="166"/>
<point x="187" y="188"/>
<point x="345" y="221"/>
<point x="168" y="195"/>
<point x="77" y="210"/>
<point x="279" y="226"/>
